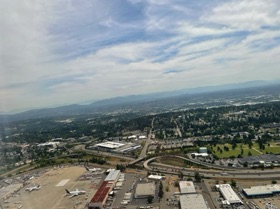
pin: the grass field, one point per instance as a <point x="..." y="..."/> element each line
<point x="172" y="161"/>
<point x="255" y="150"/>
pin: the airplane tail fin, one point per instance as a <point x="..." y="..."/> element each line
<point x="67" y="191"/>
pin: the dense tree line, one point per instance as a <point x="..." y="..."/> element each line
<point x="198" y="122"/>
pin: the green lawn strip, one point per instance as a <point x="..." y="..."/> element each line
<point x="235" y="152"/>
<point x="273" y="148"/>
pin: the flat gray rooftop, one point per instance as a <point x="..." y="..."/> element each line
<point x="262" y="190"/>
<point x="145" y="190"/>
<point x="192" y="201"/>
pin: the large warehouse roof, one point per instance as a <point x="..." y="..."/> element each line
<point x="110" y="145"/>
<point x="187" y="187"/>
<point x="228" y="193"/>
<point x="192" y="201"/>
<point x="262" y="190"/>
<point x="102" y="192"/>
<point x="145" y="190"/>
<point x="256" y="159"/>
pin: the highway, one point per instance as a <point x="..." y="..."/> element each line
<point x="143" y="153"/>
<point x="148" y="141"/>
<point x="213" y="171"/>
<point x="236" y="174"/>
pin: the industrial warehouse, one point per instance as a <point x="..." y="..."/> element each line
<point x="189" y="198"/>
<point x="187" y="187"/>
<point x="268" y="159"/>
<point x="230" y="197"/>
<point x="192" y="201"/>
<point x="116" y="147"/>
<point x="103" y="191"/>
<point x="262" y="191"/>
<point x="101" y="195"/>
<point x="145" y="190"/>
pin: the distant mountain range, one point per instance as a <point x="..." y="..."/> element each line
<point x="132" y="100"/>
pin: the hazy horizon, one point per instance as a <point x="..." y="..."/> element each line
<point x="197" y="90"/>
<point x="67" y="52"/>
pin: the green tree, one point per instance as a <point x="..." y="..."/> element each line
<point x="176" y="184"/>
<point x="180" y="174"/>
<point x="197" y="177"/>
<point x="160" y="191"/>
<point x="233" y="183"/>
<point x="150" y="199"/>
<point x="274" y="182"/>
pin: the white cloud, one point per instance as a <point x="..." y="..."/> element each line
<point x="247" y="15"/>
<point x="65" y="52"/>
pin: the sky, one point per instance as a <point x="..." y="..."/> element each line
<point x="63" y="52"/>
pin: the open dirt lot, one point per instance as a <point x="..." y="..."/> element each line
<point x="52" y="193"/>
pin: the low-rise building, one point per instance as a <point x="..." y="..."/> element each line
<point x="155" y="177"/>
<point x="187" y="187"/>
<point x="192" y="201"/>
<point x="262" y="191"/>
<point x="144" y="190"/>
<point x="203" y="150"/>
<point x="108" y="146"/>
<point x="113" y="176"/>
<point x="101" y="195"/>
<point x="230" y="197"/>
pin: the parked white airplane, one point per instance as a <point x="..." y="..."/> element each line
<point x="30" y="189"/>
<point x="93" y="169"/>
<point x="74" y="193"/>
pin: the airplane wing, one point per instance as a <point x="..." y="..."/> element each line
<point x="73" y="195"/>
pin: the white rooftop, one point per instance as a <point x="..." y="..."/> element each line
<point x="262" y="190"/>
<point x="228" y="193"/>
<point x="156" y="177"/>
<point x="192" y="201"/>
<point x="200" y="154"/>
<point x="113" y="175"/>
<point x="110" y="145"/>
<point x="187" y="187"/>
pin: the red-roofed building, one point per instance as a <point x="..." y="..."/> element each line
<point x="101" y="195"/>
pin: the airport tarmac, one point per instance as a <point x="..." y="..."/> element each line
<point x="52" y="194"/>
